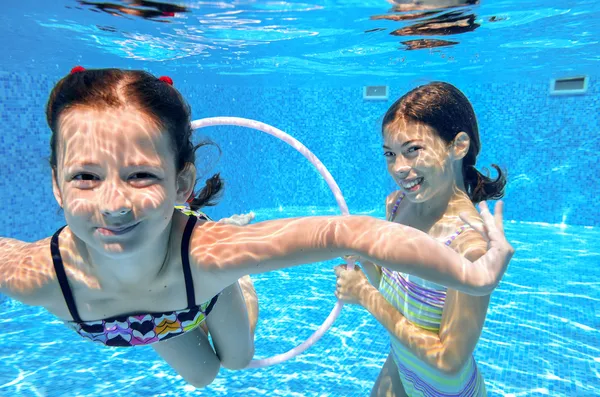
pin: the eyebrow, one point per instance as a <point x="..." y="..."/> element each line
<point x="82" y="164"/>
<point x="85" y="164"/>
<point x="404" y="144"/>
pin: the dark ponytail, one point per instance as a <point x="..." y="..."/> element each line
<point x="481" y="187"/>
<point x="208" y="195"/>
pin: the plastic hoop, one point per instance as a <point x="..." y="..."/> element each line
<point x="257" y="125"/>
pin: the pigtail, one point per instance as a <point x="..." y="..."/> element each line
<point x="208" y="195"/>
<point x="481" y="187"/>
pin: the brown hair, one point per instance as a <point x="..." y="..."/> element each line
<point x="157" y="99"/>
<point x="446" y="109"/>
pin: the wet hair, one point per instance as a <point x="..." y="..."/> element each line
<point x="446" y="109"/>
<point x="158" y="100"/>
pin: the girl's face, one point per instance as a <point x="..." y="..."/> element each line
<point x="116" y="178"/>
<point x="420" y="162"/>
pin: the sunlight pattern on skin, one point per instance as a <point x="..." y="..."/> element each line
<point x="429" y="323"/>
<point x="132" y="183"/>
<point x="81" y="147"/>
<point x="214" y="254"/>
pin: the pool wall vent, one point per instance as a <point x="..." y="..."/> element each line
<point x="375" y="92"/>
<point x="569" y="85"/>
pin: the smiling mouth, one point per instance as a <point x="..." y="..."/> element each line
<point x="116" y="231"/>
<point x="413" y="185"/>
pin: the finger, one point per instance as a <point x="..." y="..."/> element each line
<point x="351" y="260"/>
<point x="498" y="215"/>
<point x="493" y="233"/>
<point x="486" y="215"/>
<point x="483" y="206"/>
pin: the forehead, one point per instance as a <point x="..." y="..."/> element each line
<point x="402" y="130"/>
<point x="120" y="132"/>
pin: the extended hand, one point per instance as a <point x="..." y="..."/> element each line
<point x="500" y="252"/>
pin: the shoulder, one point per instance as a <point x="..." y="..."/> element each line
<point x="26" y="270"/>
<point x="470" y="243"/>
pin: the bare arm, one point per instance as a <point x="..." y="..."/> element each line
<point x="230" y="252"/>
<point x="372" y="270"/>
<point x="462" y="322"/>
<point x="24" y="270"/>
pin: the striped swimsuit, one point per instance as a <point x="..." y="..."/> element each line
<point x="422" y="303"/>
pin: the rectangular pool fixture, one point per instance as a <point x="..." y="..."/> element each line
<point x="569" y="85"/>
<point x="375" y="93"/>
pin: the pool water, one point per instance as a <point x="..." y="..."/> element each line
<point x="540" y="338"/>
<point x="302" y="66"/>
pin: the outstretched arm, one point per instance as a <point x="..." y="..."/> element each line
<point x="24" y="270"/>
<point x="230" y="252"/>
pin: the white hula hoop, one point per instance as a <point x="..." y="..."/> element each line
<point x="257" y="125"/>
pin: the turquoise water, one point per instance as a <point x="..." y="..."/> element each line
<point x="281" y="42"/>
<point x="540" y="337"/>
<point x="302" y="66"/>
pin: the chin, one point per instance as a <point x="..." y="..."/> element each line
<point x="419" y="197"/>
<point x="120" y="250"/>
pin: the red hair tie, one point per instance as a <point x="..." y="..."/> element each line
<point x="77" y="69"/>
<point x="192" y="197"/>
<point x="166" y="79"/>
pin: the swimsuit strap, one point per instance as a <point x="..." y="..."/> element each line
<point x="454" y="235"/>
<point x="185" y="261"/>
<point x="63" y="281"/>
<point x="398" y="201"/>
<point x="61" y="276"/>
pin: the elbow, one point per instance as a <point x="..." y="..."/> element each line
<point x="483" y="289"/>
<point x="451" y="364"/>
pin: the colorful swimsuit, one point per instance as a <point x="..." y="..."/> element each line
<point x="141" y="329"/>
<point x="422" y="303"/>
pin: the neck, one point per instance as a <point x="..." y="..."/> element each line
<point x="138" y="270"/>
<point x="445" y="205"/>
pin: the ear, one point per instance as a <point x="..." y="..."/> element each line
<point x="460" y="145"/>
<point x="186" y="179"/>
<point x="55" y="189"/>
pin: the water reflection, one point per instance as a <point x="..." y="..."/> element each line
<point x="150" y="10"/>
<point x="432" y="18"/>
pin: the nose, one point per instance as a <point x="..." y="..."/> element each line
<point x="117" y="212"/>
<point x="400" y="167"/>
<point x="114" y="201"/>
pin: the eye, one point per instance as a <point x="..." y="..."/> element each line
<point x="142" y="179"/>
<point x="414" y="149"/>
<point x="142" y="175"/>
<point x="389" y="154"/>
<point x="85" y="177"/>
<point x="84" y="180"/>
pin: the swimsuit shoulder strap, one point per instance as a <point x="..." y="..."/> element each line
<point x="61" y="276"/>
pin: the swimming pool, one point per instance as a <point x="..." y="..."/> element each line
<point x="540" y="336"/>
<point x="302" y="67"/>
